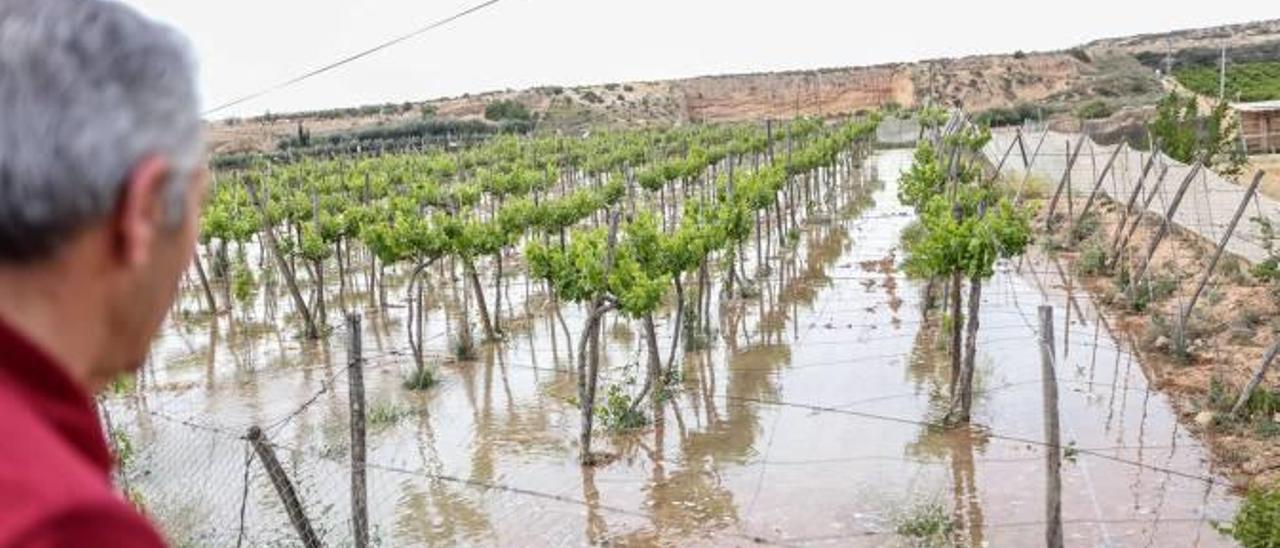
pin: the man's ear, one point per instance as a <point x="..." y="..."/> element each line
<point x="140" y="212"/>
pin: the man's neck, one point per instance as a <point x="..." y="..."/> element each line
<point x="47" y="305"/>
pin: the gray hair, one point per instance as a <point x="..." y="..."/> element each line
<point x="88" y="88"/>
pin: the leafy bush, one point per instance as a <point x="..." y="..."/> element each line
<point x="506" y="109"/>
<point x="1257" y="522"/>
<point x="1008" y="116"/>
<point x="928" y="522"/>
<point x="1145" y="291"/>
<point x="1092" y="261"/>
<point x="1188" y="137"/>
<point x="1094" y="110"/>
<point x="464" y="348"/>
<point x="1267" y="269"/>
<point x="420" y="379"/>
<point x="1262" y="403"/>
<point x="1085" y="227"/>
<point x="383" y="414"/>
<point x="616" y="413"/>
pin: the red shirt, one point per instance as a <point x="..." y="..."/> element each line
<point x="55" y="467"/>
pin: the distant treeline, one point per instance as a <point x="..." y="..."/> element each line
<point x="416" y="135"/>
<point x="418" y="130"/>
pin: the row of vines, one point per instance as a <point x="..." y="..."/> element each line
<point x="621" y="223"/>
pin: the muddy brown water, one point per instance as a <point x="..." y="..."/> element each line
<point x="807" y="421"/>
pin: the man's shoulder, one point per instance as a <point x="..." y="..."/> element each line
<point x="103" y="522"/>
<point x="45" y="483"/>
<point x="43" y="462"/>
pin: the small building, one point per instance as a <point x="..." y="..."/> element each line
<point x="1260" y="126"/>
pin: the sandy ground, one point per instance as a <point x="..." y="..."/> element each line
<point x="1270" y="163"/>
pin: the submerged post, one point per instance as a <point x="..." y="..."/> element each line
<point x="284" y="487"/>
<point x="1053" y="439"/>
<point x="359" y="491"/>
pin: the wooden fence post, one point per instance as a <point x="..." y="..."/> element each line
<point x="1133" y="227"/>
<point x="359" y="490"/>
<point x="1026" y="176"/>
<point x="1254" y="381"/>
<point x="1017" y="139"/>
<point x="1164" y="224"/>
<point x="284" y="487"/>
<point x="1066" y="176"/>
<point x="1097" y="185"/>
<point x="1133" y="197"/>
<point x="1222" y="245"/>
<point x="1053" y="439"/>
<point x="1022" y="147"/>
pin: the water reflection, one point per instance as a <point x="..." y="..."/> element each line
<point x="720" y="463"/>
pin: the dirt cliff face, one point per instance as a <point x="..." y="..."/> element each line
<point x="980" y="83"/>
<point x="1059" y="81"/>
<point x="829" y="92"/>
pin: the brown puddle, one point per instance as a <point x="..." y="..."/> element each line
<point x="805" y="422"/>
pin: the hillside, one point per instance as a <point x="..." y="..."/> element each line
<point x="1121" y="72"/>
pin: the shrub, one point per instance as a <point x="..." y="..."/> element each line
<point x="1085" y="227"/>
<point x="616" y="413"/>
<point x="592" y="97"/>
<point x="1269" y="268"/>
<point x="1092" y="261"/>
<point x="1262" y="403"/>
<point x="927" y="522"/>
<point x="1019" y="54"/>
<point x="506" y="109"/>
<point x="384" y="414"/>
<point x="1094" y="110"/>
<point x="1257" y="522"/>
<point x="420" y="379"/>
<point x="1007" y="116"/>
<point x="464" y="348"/>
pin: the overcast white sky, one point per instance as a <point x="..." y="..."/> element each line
<point x="247" y="45"/>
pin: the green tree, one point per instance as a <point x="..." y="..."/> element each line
<point x="1187" y="137"/>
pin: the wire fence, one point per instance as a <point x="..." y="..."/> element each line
<point x="207" y="483"/>
<point x="1205" y="210"/>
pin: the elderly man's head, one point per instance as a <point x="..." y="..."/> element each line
<point x="101" y="170"/>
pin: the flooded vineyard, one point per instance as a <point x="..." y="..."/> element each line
<point x="808" y="417"/>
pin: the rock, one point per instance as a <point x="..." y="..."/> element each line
<point x="1162" y="342"/>
<point x="1204" y="418"/>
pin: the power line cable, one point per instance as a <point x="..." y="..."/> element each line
<point x="350" y="58"/>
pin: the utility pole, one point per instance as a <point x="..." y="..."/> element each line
<point x="1222" y="75"/>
